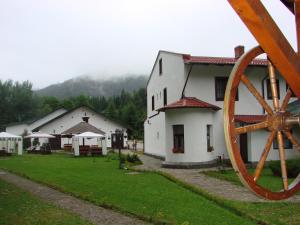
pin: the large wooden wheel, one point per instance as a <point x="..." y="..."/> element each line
<point x="277" y="121"/>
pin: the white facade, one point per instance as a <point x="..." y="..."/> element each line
<point x="201" y="84"/>
<point x="72" y="118"/>
<point x="60" y="120"/>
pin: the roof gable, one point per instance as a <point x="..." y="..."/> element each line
<point x="74" y="109"/>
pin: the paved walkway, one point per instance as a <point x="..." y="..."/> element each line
<point x="86" y="210"/>
<point x="212" y="185"/>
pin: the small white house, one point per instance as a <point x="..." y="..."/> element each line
<point x="185" y="97"/>
<point x="61" y="120"/>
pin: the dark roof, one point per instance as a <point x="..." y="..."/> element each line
<point x="249" y="118"/>
<point x="81" y="128"/>
<point x="219" y="60"/>
<point x="50" y="121"/>
<point x="189" y="102"/>
<point x="32" y="120"/>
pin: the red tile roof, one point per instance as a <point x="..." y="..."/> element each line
<point x="189" y="102"/>
<point x="219" y="60"/>
<point x="249" y="118"/>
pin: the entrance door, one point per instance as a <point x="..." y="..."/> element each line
<point x="55" y="143"/>
<point x="244" y="147"/>
<point x="115" y="143"/>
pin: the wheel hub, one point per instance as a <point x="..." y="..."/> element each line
<point x="280" y="121"/>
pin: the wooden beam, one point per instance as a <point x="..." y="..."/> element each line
<point x="268" y="35"/>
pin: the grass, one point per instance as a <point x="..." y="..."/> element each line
<point x="146" y="195"/>
<point x="267" y="179"/>
<point x="20" y="208"/>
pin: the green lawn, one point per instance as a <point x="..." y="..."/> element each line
<point x="147" y="195"/>
<point x="267" y="179"/>
<point x="100" y="181"/>
<point x="20" y="208"/>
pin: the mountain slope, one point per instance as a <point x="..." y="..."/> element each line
<point x="94" y="87"/>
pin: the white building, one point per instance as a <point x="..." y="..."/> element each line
<point x="185" y="95"/>
<point x="61" y="120"/>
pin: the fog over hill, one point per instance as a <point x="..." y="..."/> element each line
<point x="92" y="86"/>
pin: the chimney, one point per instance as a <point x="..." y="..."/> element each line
<point x="239" y="51"/>
<point x="85" y="119"/>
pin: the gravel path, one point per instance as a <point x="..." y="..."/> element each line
<point x="86" y="210"/>
<point x="212" y="185"/>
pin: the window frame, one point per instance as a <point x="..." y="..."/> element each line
<point x="160" y="66"/>
<point x="269" y="90"/>
<point x="209" y="137"/>
<point x="165" y="96"/>
<point x="286" y="142"/>
<point x="178" y="138"/>
<point x="218" y="81"/>
<point x="287" y="87"/>
<point x="152" y="103"/>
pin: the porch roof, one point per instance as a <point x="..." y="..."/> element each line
<point x="81" y="128"/>
<point x="249" y="118"/>
<point x="189" y="102"/>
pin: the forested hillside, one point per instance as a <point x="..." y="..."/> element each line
<point x="19" y="103"/>
<point x="94" y="87"/>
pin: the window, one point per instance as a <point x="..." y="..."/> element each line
<point x="153" y="102"/>
<point x="287" y="87"/>
<point x="286" y="143"/>
<point x="220" y="88"/>
<point x="269" y="90"/>
<point x="165" y="97"/>
<point x="178" y="137"/>
<point x="160" y="67"/>
<point x="209" y="138"/>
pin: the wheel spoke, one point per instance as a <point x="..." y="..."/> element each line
<point x="256" y="94"/>
<point x="273" y="85"/>
<point x="286" y="100"/>
<point x="252" y="127"/>
<point x="264" y="156"/>
<point x="291" y="137"/>
<point x="282" y="160"/>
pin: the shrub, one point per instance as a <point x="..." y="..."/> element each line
<point x="132" y="158"/>
<point x="292" y="166"/>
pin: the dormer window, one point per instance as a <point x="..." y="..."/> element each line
<point x="160" y="67"/>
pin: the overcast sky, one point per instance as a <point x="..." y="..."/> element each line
<point x="49" y="41"/>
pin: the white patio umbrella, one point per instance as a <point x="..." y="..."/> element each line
<point x="88" y="134"/>
<point x="39" y="135"/>
<point x="7" y="136"/>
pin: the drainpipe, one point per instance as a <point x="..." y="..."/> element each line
<point x="187" y="78"/>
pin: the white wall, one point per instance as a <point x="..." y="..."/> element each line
<point x="154" y="135"/>
<point x="257" y="141"/>
<point x="172" y="78"/>
<point x="195" y="141"/>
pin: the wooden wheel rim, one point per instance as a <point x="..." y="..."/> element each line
<point x="231" y="136"/>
